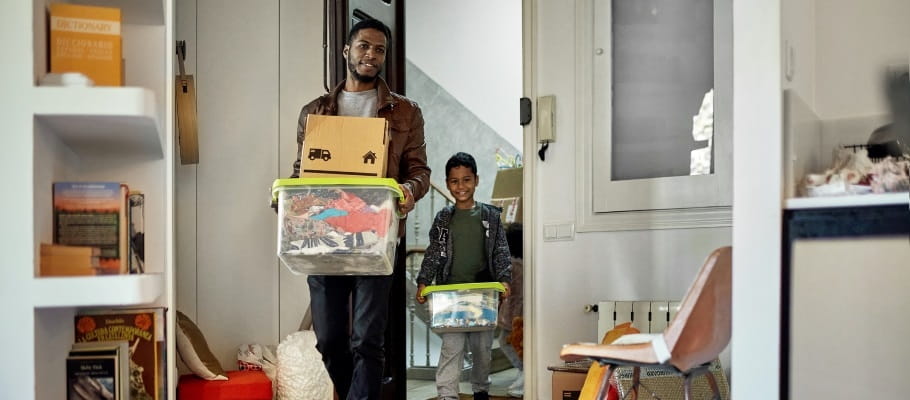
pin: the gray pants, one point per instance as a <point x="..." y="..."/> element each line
<point x="451" y="361"/>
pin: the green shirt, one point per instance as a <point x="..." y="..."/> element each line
<point x="468" y="260"/>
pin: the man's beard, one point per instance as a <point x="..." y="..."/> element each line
<point x="360" y="77"/>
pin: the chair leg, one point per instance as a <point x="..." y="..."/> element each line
<point x="604" y="388"/>
<point x="687" y="386"/>
<point x="636" y="374"/>
<point x="713" y="384"/>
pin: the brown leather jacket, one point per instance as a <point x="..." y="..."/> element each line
<point x="407" y="156"/>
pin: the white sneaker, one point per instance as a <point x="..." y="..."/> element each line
<point x="519" y="392"/>
<point x="519" y="382"/>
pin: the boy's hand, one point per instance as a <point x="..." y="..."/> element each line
<point x="421" y="299"/>
<point x="508" y="291"/>
<point x="408" y="205"/>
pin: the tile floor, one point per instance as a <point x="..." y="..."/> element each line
<point x="423" y="390"/>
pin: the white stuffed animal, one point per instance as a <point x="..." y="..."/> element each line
<point x="301" y="372"/>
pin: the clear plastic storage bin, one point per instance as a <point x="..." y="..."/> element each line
<point x="463" y="307"/>
<point x="337" y="226"/>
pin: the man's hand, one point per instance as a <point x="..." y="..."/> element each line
<point x="408" y="204"/>
<point x="508" y="291"/>
<point x="421" y="299"/>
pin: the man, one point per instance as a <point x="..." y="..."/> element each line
<point x="354" y="356"/>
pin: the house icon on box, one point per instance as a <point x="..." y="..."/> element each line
<point x="369" y="157"/>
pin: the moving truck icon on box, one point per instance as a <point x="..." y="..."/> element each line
<point x="324" y="154"/>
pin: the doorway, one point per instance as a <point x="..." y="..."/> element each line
<point x="463" y="66"/>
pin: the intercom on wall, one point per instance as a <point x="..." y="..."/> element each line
<point x="546" y="119"/>
<point x="546" y="123"/>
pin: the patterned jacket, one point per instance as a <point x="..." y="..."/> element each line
<point x="437" y="261"/>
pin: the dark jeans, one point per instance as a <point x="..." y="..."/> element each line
<point x="354" y="354"/>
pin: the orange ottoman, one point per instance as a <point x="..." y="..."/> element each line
<point x="241" y="385"/>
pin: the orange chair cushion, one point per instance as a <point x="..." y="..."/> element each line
<point x="241" y="385"/>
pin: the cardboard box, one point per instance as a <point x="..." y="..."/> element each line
<point x="86" y="39"/>
<point x="507" y="191"/>
<point x="344" y="146"/>
<point x="568" y="381"/>
<point x="669" y="386"/>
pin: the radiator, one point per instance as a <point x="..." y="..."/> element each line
<point x="648" y="316"/>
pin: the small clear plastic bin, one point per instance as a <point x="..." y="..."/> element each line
<point x="464" y="307"/>
<point x="337" y="226"/>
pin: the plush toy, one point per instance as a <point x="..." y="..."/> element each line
<point x="516" y="338"/>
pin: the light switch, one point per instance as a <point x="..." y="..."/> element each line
<point x="565" y="231"/>
<point x="549" y="232"/>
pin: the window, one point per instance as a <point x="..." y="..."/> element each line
<point x="645" y="69"/>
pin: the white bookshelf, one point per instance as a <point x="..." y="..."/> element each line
<point x="103" y="120"/>
<point x="97" y="291"/>
<point x="121" y="134"/>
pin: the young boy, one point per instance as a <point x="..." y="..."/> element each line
<point x="467" y="244"/>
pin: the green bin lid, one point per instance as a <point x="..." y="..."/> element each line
<point x="354" y="181"/>
<point x="464" y="286"/>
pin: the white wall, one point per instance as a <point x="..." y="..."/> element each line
<point x="255" y="65"/>
<point x="855" y="41"/>
<point x="633" y="265"/>
<point x="798" y="43"/>
<point x="757" y="198"/>
<point x="17" y="379"/>
<point x="468" y="46"/>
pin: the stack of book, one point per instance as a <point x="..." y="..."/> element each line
<point x="143" y="331"/>
<point x="60" y="260"/>
<point x="100" y="224"/>
<point x="98" y="370"/>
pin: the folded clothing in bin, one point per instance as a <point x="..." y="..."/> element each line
<point x="463" y="307"/>
<point x="337" y="226"/>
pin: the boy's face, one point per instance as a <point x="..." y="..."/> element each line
<point x="461" y="183"/>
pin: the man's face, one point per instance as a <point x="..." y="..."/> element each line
<point x="366" y="54"/>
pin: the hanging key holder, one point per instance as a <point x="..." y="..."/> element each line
<point x="185" y="89"/>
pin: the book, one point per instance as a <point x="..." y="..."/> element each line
<point x="59" y="260"/>
<point x="48" y="249"/>
<point x="93" y="214"/>
<point x="91" y="374"/>
<point x="88" y="40"/>
<point x="136" y="232"/>
<point x="144" y="330"/>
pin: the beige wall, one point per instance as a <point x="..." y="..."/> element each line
<point x="855" y="42"/>
<point x="255" y="64"/>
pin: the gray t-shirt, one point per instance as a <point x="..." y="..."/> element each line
<point x="357" y="104"/>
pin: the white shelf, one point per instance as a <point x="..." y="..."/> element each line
<point x="860" y="200"/>
<point x="135" y="12"/>
<point x="111" y="290"/>
<point x="102" y="120"/>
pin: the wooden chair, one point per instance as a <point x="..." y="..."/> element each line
<point x="695" y="337"/>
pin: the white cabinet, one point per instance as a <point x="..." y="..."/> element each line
<point x="53" y="134"/>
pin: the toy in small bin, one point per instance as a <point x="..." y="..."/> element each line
<point x="337" y="226"/>
<point x="464" y="307"/>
